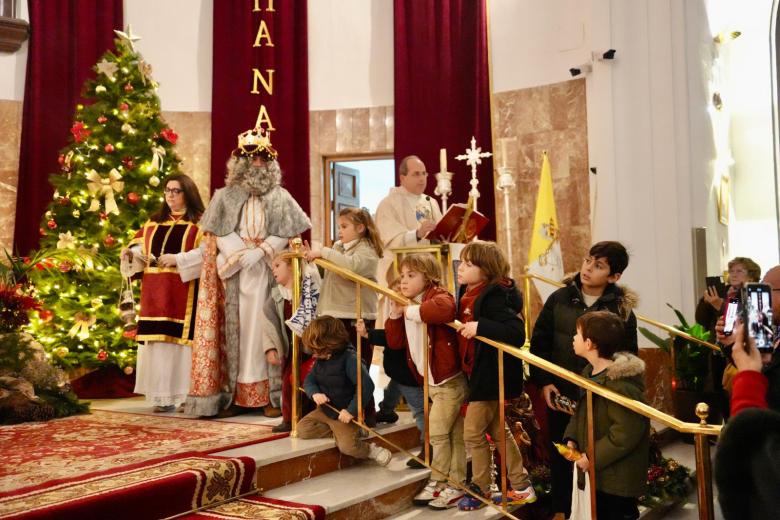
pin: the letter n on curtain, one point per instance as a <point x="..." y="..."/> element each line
<point x="261" y="62"/>
<point x="442" y="91"/>
<point x="66" y="39"/>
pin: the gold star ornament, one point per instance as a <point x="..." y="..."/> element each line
<point x="108" y="68"/>
<point x="128" y="36"/>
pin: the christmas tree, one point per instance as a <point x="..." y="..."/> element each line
<point x="111" y="179"/>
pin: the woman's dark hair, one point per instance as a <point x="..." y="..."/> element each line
<point x="192" y="199"/>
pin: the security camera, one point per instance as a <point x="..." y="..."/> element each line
<point x="604" y="55"/>
<point x="580" y="69"/>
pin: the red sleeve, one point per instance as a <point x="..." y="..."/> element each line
<point x="438" y="309"/>
<point x="748" y="391"/>
<point x="395" y="332"/>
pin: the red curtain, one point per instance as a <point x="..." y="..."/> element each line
<point x="442" y="91"/>
<point x="238" y="26"/>
<point x="67" y="37"/>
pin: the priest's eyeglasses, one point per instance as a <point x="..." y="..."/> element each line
<point x="174" y="191"/>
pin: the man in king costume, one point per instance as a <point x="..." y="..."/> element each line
<point x="246" y="224"/>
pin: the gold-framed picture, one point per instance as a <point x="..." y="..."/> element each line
<point x="723" y="200"/>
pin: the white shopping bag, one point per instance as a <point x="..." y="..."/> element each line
<point x="580" y="498"/>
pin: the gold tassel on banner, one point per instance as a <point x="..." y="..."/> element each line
<point x="104" y="187"/>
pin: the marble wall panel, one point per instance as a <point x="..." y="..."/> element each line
<point x="194" y="146"/>
<point x="10" y="130"/>
<point x="343" y="133"/>
<point x="552" y="118"/>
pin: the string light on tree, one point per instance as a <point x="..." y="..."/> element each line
<point x="98" y="178"/>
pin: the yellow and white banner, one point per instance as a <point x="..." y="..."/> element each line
<point x="544" y="256"/>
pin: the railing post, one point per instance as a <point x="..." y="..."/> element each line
<point x="297" y="246"/>
<point x="704" y="467"/>
<point x="359" y="346"/>
<point x="527" y="307"/>
<point x="591" y="455"/>
<point x="502" y="426"/>
<point x="426" y="399"/>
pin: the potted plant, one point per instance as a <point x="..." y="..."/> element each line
<point x="691" y="368"/>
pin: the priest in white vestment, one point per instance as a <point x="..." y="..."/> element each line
<point x="406" y="215"/>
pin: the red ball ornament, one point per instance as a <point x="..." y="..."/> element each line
<point x="51" y="224"/>
<point x="130" y="334"/>
<point x="128" y="162"/>
<point x="133" y="198"/>
<point x="64" y="267"/>
<point x="61" y="159"/>
<point x="109" y="241"/>
<point x="128" y="88"/>
<point x="42" y="232"/>
<point x="124" y="107"/>
<point x="102" y="119"/>
<point x="103" y="215"/>
<point x="102" y="355"/>
<point x="109" y="148"/>
<point x="64" y="201"/>
<point x="45" y="315"/>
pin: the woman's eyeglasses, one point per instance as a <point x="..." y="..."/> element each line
<point x="174" y="191"/>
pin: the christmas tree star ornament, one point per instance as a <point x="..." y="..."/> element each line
<point x="128" y="37"/>
<point x="66" y="241"/>
<point x="107" y="68"/>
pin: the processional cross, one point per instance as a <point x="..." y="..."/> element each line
<point x="473" y="157"/>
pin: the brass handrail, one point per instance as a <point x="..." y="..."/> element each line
<point x="700" y="430"/>
<point x="668" y="328"/>
<point x="542" y="363"/>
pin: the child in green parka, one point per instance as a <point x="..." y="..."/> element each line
<point x="622" y="437"/>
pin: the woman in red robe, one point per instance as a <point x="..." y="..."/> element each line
<point x="166" y="250"/>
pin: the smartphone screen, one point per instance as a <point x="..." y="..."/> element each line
<point x="758" y="306"/>
<point x="731" y="316"/>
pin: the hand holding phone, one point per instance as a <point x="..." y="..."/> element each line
<point x="744" y="352"/>
<point x="757" y="303"/>
<point x="730" y="316"/>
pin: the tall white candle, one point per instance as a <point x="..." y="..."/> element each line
<point x="442" y="159"/>
<point x="503" y="153"/>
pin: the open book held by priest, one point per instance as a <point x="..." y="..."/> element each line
<point x="461" y="223"/>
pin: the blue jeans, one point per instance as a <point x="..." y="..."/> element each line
<point x="414" y="398"/>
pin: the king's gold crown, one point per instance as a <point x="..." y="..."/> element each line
<point x="256" y="142"/>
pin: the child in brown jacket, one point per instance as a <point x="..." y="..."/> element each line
<point x="423" y="326"/>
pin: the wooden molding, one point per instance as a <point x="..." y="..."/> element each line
<point x="13" y="32"/>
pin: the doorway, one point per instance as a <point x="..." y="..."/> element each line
<point x="355" y="182"/>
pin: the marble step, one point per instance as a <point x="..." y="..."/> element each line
<point x="282" y="462"/>
<point x="366" y="491"/>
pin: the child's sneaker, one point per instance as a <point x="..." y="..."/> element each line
<point x="517" y="498"/>
<point x="448" y="497"/>
<point x="470" y="503"/>
<point x="429" y="492"/>
<point x="379" y="454"/>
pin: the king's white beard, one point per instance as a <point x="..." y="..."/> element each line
<point x="257" y="180"/>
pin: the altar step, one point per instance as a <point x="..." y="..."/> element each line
<point x="368" y="491"/>
<point x="312" y="471"/>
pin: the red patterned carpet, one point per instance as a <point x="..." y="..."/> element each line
<point x="34" y="453"/>
<point x="148" y="490"/>
<point x="260" y="508"/>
